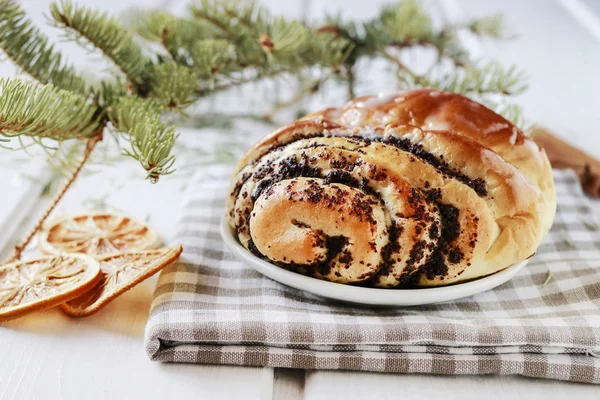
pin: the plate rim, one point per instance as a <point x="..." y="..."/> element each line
<point x="365" y="295"/>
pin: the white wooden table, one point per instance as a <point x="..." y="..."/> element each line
<point x="51" y="356"/>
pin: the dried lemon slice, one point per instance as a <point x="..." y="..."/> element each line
<point x="120" y="272"/>
<point x="96" y="234"/>
<point x="27" y="286"/>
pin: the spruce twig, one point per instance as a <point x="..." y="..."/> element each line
<point x="29" y="49"/>
<point x="548" y="278"/>
<point x="151" y="139"/>
<point x="104" y="33"/>
<point x="221" y="44"/>
<point x="39" y="111"/>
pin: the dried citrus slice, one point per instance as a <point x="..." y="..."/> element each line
<point x="96" y="234"/>
<point x="27" y="286"/>
<point x="120" y="272"/>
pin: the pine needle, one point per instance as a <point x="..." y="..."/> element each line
<point x="104" y="33"/>
<point x="548" y="278"/>
<point x="29" y="49"/>
<point x="588" y="224"/>
<point x="492" y="26"/>
<point x="27" y="108"/>
<point x="170" y="85"/>
<point x="151" y="140"/>
<point x="403" y="22"/>
<point x="480" y="80"/>
<point x="266" y="42"/>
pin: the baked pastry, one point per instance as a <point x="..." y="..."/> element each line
<point x="420" y="188"/>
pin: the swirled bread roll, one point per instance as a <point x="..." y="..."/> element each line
<point x="420" y="188"/>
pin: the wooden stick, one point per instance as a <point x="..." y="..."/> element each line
<point x="562" y="155"/>
<point x="19" y="248"/>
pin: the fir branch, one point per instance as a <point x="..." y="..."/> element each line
<point x="285" y="41"/>
<point x="151" y="140"/>
<point x="329" y="50"/>
<point x="270" y="43"/>
<point x="107" y="93"/>
<point x="488" y="78"/>
<point x="492" y="26"/>
<point x="406" y="24"/>
<point x="222" y="44"/>
<point x="232" y="18"/>
<point x="588" y="224"/>
<point x="170" y="85"/>
<point x="212" y="57"/>
<point x="249" y="14"/>
<point x="400" y="24"/>
<point x="65" y="158"/>
<point x="30" y="50"/>
<point x="104" y="33"/>
<point x="150" y="24"/>
<point x="28" y="109"/>
<point x="548" y="278"/>
<point x="177" y="36"/>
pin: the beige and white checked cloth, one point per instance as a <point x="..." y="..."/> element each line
<point x="210" y="308"/>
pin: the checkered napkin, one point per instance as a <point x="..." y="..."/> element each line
<point x="210" y="308"/>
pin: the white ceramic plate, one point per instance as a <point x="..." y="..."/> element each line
<point x="362" y="295"/>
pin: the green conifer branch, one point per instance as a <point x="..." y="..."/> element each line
<point x="215" y="13"/>
<point x="219" y="45"/>
<point x="405" y="25"/>
<point x="170" y="85"/>
<point x="492" y="26"/>
<point x="490" y="78"/>
<point x="27" y="47"/>
<point x="248" y="14"/>
<point x="151" y="140"/>
<point x="152" y="25"/>
<point x="30" y="109"/>
<point x="176" y="35"/>
<point x="267" y="42"/>
<point x="400" y="24"/>
<point x="213" y="58"/>
<point x="104" y="33"/>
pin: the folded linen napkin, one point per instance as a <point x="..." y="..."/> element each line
<point x="210" y="308"/>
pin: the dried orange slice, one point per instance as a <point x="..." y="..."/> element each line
<point x="96" y="234"/>
<point x="27" y="286"/>
<point x="120" y="272"/>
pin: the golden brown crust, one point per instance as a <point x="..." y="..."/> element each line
<point x="484" y="190"/>
<point x="284" y="135"/>
<point x="435" y="110"/>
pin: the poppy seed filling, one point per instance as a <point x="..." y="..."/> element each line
<point x="299" y="165"/>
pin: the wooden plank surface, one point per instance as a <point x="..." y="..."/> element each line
<point x="51" y="356"/>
